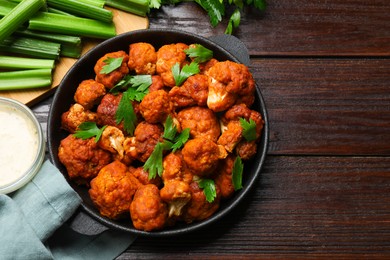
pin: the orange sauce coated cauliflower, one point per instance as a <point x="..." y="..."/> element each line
<point x="147" y="210"/>
<point x="112" y="190"/>
<point x="207" y="107"/>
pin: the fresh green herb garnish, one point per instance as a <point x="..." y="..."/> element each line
<point x="199" y="53"/>
<point x="216" y="9"/>
<point x="249" y="129"/>
<point x="170" y="129"/>
<point x="111" y="64"/>
<point x="137" y="88"/>
<point x="88" y="130"/>
<point x="140" y="82"/>
<point x="171" y="140"/>
<point x="170" y="134"/>
<point x="154" y="164"/>
<point x="125" y="113"/>
<point x="181" y="139"/>
<point x="209" y="189"/>
<point x="238" y="169"/>
<point x="181" y="75"/>
<point x="234" y="21"/>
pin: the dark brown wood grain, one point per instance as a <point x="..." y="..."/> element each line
<point x="312" y="206"/>
<point x="323" y="68"/>
<point x="298" y="27"/>
<point x="326" y="106"/>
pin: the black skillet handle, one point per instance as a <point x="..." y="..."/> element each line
<point x="233" y="45"/>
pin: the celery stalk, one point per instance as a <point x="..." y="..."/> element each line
<point x="83" y="9"/>
<point x="19" y="15"/>
<point x="70" y="25"/>
<point x="31" y="47"/>
<point x="56" y="11"/>
<point x="25" y="79"/>
<point x="59" y="38"/>
<point x="9" y="62"/>
<point x="6" y="7"/>
<point x="138" y="7"/>
<point x="99" y="3"/>
<point x="70" y="50"/>
<point x="25" y="73"/>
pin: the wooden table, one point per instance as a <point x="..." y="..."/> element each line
<point x="323" y="68"/>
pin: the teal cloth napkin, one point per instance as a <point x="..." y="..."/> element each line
<point x="33" y="223"/>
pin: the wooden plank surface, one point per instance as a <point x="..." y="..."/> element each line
<point x="326" y="106"/>
<point x="323" y="69"/>
<point x="123" y="21"/>
<point x="297" y="27"/>
<point x="311" y="207"/>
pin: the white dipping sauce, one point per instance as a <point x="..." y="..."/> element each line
<point x="18" y="144"/>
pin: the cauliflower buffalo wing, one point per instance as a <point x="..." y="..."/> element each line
<point x="156" y="106"/>
<point x="202" y="156"/>
<point x="147" y="210"/>
<point x="142" y="58"/>
<point x="107" y="109"/>
<point x="109" y="80"/>
<point x="198" y="208"/>
<point x="194" y="91"/>
<point x="83" y="159"/>
<point x="232" y="138"/>
<point x="89" y="93"/>
<point x="112" y="140"/>
<point x="75" y="116"/>
<point x="167" y="57"/>
<point x="112" y="190"/>
<point x="176" y="194"/>
<point x="174" y="168"/>
<point x="143" y="177"/>
<point x="141" y="146"/>
<point x="157" y="83"/>
<point x="201" y="121"/>
<point x="229" y="83"/>
<point x="224" y="177"/>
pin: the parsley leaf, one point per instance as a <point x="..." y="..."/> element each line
<point x="140" y="82"/>
<point x="111" y="64"/>
<point x="214" y="8"/>
<point x="170" y="134"/>
<point x="181" y="75"/>
<point x="138" y="87"/>
<point x="234" y="21"/>
<point x="88" y="130"/>
<point x="238" y="169"/>
<point x="209" y="189"/>
<point x="199" y="53"/>
<point x="125" y="113"/>
<point x="154" y="164"/>
<point x="171" y="140"/>
<point x="260" y="4"/>
<point x="249" y="129"/>
<point x="170" y="129"/>
<point x="181" y="139"/>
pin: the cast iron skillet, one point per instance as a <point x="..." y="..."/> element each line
<point x="83" y="69"/>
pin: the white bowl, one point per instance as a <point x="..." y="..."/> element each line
<point x="22" y="145"/>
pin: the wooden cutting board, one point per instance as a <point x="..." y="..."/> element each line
<point x="124" y="22"/>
